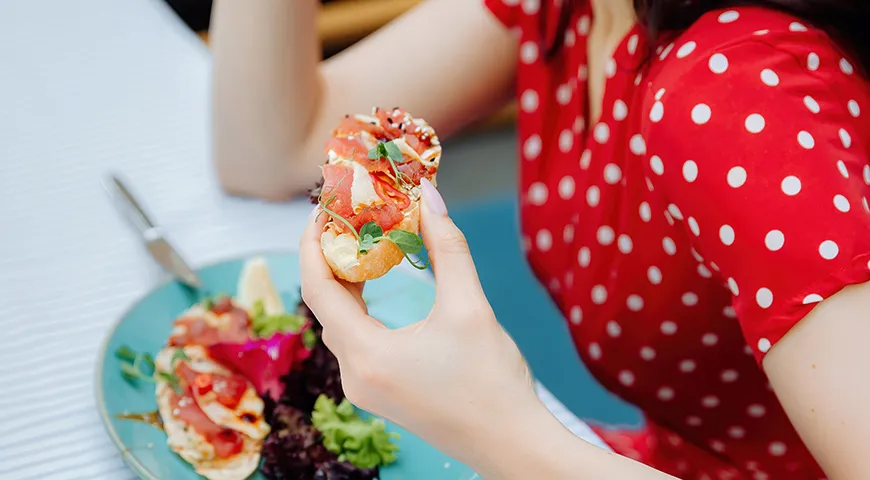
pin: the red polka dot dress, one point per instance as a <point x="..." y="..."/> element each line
<point x="721" y="196"/>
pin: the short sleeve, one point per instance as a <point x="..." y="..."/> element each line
<point x="760" y="154"/>
<point x="508" y="12"/>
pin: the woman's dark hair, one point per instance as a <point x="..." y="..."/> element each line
<point x="846" y="21"/>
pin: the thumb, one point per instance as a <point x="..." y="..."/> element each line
<point x="455" y="274"/>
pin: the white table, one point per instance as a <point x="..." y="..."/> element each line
<point x="85" y="87"/>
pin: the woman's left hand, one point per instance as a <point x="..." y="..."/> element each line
<point x="449" y="378"/>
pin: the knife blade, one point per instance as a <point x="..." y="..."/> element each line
<point x="153" y="237"/>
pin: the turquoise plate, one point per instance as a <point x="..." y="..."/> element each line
<point x="398" y="299"/>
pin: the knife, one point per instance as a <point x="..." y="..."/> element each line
<point x="155" y="241"/>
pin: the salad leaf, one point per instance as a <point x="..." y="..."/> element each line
<point x="365" y="444"/>
<point x="373" y="229"/>
<point x="265" y="326"/>
<point x="409" y="243"/>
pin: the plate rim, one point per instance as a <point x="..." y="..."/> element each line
<point x="129" y="458"/>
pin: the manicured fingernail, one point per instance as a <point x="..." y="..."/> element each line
<point x="432" y="198"/>
<point x="314" y="212"/>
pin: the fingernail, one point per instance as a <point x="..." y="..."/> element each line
<point x="314" y="212"/>
<point x="432" y="198"/>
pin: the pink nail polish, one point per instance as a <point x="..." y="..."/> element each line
<point x="432" y="198"/>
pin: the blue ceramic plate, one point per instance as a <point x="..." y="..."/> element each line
<point x="399" y="298"/>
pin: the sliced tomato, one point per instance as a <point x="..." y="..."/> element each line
<point x="385" y="189"/>
<point x="337" y="180"/>
<point x="202" y="384"/>
<point x="226" y="442"/>
<point x="229" y="389"/>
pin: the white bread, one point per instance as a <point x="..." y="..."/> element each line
<point x="339" y="248"/>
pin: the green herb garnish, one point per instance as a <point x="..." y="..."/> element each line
<point x="408" y="243"/>
<point x="390" y="151"/>
<point x="140" y="366"/>
<point x="364" y="443"/>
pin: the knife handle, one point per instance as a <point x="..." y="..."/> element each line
<point x="129" y="205"/>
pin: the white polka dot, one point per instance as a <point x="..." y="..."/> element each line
<point x="666" y="51"/>
<point x="842" y="203"/>
<point x="620" y="110"/>
<point x="566" y="141"/>
<point x="791" y="185"/>
<point x="568" y="234"/>
<point x="867" y="174"/>
<point x="729" y="312"/>
<point x="701" y="114"/>
<point x="605" y="235"/>
<point x="659" y="167"/>
<point x="638" y="79"/>
<point x="764" y="345"/>
<point x="612" y="174"/>
<point x="599" y="294"/>
<point x="797" y="27"/>
<point x="690" y="171"/>
<point x="769" y="77"/>
<point x="532" y="147"/>
<point x="726" y="234"/>
<point x="736" y="177"/>
<point x="669" y="246"/>
<point x="529" y="52"/>
<point x="594" y="351"/>
<point x="846" y="67"/>
<point x="696" y="255"/>
<point x="764" y="297"/>
<point x="690" y="299"/>
<point x="686" y="49"/>
<point x="657" y="112"/>
<point x="756" y="410"/>
<point x="732" y="285"/>
<point x="660" y="93"/>
<point x="634" y="303"/>
<point x="774" y="240"/>
<point x="665" y="394"/>
<point x="717" y="446"/>
<point x="626" y="378"/>
<point x="624" y="243"/>
<point x="710" y="339"/>
<point x="675" y="211"/>
<point x="688" y="366"/>
<point x="637" y="145"/>
<point x="564" y="94"/>
<point x="812" y="104"/>
<point x="531" y="7"/>
<point x="610" y="68"/>
<point x="829" y="250"/>
<point x="704" y="271"/>
<point x="669" y="328"/>
<point x="585" y="159"/>
<point x="593" y="196"/>
<point x="613" y="329"/>
<point x="710" y="401"/>
<point x="812" y="298"/>
<point x="544" y="240"/>
<point x="761" y="32"/>
<point x="718" y="63"/>
<point x="806" y="140"/>
<point x="529" y="101"/>
<point x="566" y="187"/>
<point x="736" y="432"/>
<point x="632" y="43"/>
<point x="729" y="376"/>
<point x="576" y="315"/>
<point x="584" y="257"/>
<point x="777" y="449"/>
<point x="579" y="124"/>
<point x="648" y="354"/>
<point x="602" y="133"/>
<point x="649" y="185"/>
<point x="645" y="212"/>
<point x="841" y="166"/>
<point x="813" y="61"/>
<point x="729" y="16"/>
<point x="866" y="205"/>
<point x="754" y="123"/>
<point x="693" y="226"/>
<point x="854" y="108"/>
<point x="538" y="194"/>
<point x="654" y="275"/>
<point x="845" y="138"/>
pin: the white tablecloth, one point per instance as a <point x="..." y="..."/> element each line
<point x="87" y="86"/>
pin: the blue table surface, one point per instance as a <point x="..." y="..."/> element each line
<point x="525" y="309"/>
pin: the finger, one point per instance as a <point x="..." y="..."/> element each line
<point x="455" y="273"/>
<point x="338" y="309"/>
<point x="355" y="289"/>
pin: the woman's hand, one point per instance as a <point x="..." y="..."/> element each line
<point x="444" y="378"/>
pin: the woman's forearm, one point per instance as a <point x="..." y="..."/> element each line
<point x="536" y="445"/>
<point x="266" y="89"/>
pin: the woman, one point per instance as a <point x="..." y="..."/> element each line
<point x="694" y="188"/>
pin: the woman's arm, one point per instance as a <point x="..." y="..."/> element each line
<point x="821" y="374"/>
<point x="275" y="103"/>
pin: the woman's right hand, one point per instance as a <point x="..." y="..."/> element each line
<point x="275" y="104"/>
